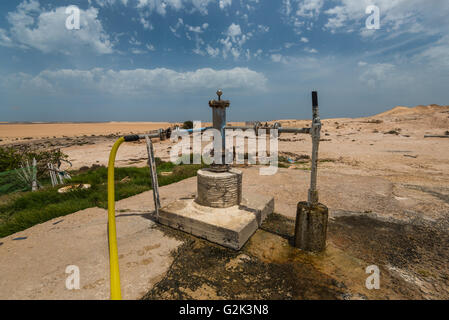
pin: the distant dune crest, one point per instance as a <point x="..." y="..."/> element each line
<point x="401" y="110"/>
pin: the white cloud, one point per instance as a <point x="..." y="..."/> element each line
<point x="194" y="29"/>
<point x="309" y="8"/>
<point x="301" y="13"/>
<point x="133" y="41"/>
<point x="310" y="50"/>
<point x="176" y="27"/>
<point x="161" y="6"/>
<point x="234" y="30"/>
<point x="5" y="40"/>
<point x="409" y="15"/>
<point x="304" y="39"/>
<point x="33" y="27"/>
<point x="213" y="52"/>
<point x="137" y="82"/>
<point x="437" y="55"/>
<point x="234" y="40"/>
<point x="375" y="74"/>
<point x="276" y="57"/>
<point x="150" y="47"/>
<point x="224" y="3"/>
<point x="263" y="28"/>
<point x="138" y="51"/>
<point x="197" y="29"/>
<point x="258" y="53"/>
<point x="104" y="3"/>
<point x="147" y="25"/>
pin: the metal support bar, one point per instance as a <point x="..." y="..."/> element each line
<point x="153" y="173"/>
<point x="238" y="127"/>
<point x="315" y="132"/>
<point x="280" y="129"/>
<point x="294" y="130"/>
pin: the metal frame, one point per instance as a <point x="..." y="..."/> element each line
<point x="314" y="131"/>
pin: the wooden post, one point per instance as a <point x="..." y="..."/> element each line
<point x="153" y="173"/>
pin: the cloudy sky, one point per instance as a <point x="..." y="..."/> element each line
<point x="162" y="60"/>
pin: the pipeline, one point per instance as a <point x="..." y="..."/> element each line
<point x="112" y="232"/>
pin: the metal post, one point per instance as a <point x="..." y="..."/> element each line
<point x="315" y="132"/>
<point x="34" y="185"/>
<point x="219" y="123"/>
<point x="312" y="216"/>
<point x="153" y="173"/>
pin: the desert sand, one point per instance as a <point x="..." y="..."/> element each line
<point x="18" y="131"/>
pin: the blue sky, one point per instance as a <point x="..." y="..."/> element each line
<point x="162" y="60"/>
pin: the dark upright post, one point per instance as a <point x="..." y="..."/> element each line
<point x="219" y="122"/>
<point x="311" y="216"/>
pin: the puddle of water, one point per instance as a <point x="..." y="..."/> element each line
<point x="20" y="238"/>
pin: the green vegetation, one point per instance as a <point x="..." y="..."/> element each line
<point x="187" y="125"/>
<point x="13" y="157"/>
<point x="11" y="160"/>
<point x="28" y="209"/>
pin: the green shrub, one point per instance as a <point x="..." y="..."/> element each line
<point x="13" y="157"/>
<point x="187" y="125"/>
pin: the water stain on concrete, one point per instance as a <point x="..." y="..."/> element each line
<point x="412" y="259"/>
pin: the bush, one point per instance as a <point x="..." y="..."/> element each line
<point x="187" y="125"/>
<point x="12" y="158"/>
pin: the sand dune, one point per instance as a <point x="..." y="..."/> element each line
<point x="400" y="110"/>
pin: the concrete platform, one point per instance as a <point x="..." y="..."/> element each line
<point x="230" y="227"/>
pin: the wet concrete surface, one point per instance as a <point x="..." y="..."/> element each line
<point x="412" y="259"/>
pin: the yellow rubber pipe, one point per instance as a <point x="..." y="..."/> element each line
<point x="113" y="252"/>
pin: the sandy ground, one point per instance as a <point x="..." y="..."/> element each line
<point x="18" y="131"/>
<point x="386" y="186"/>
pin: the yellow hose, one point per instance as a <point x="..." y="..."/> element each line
<point x="113" y="252"/>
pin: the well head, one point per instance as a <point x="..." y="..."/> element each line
<point x="219" y="103"/>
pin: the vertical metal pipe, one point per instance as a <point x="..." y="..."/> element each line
<point x="315" y="132"/>
<point x="219" y="122"/>
<point x="315" y="104"/>
<point x="153" y="173"/>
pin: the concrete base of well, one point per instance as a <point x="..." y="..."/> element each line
<point x="230" y="227"/>
<point x="311" y="226"/>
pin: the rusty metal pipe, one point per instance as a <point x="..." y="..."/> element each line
<point x="315" y="132"/>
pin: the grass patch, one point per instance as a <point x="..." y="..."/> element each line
<point x="31" y="208"/>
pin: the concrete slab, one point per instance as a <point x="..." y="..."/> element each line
<point x="35" y="267"/>
<point x="230" y="227"/>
